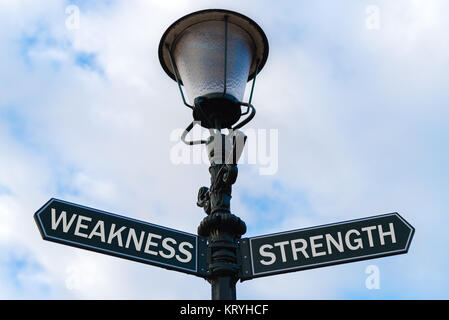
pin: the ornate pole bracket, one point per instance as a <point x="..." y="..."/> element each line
<point x="223" y="230"/>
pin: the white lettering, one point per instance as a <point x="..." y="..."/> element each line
<point x="94" y="232"/>
<point x="358" y="241"/>
<point x="132" y="235"/>
<point x="373" y="280"/>
<point x="116" y="234"/>
<point x="149" y="243"/>
<point x="63" y="216"/>
<point x="389" y="233"/>
<point x="266" y="254"/>
<point x="370" y="235"/>
<point x="185" y="252"/>
<point x="282" y="245"/>
<point x="338" y="245"/>
<point x="272" y="159"/>
<point x="79" y="226"/>
<point x="192" y="310"/>
<point x="295" y="250"/>
<point x="166" y="246"/>
<point x="314" y="246"/>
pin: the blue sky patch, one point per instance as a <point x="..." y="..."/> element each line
<point x="87" y="61"/>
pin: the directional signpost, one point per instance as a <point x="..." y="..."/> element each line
<point x="79" y="226"/>
<point x="348" y="241"/>
<point x="108" y="233"/>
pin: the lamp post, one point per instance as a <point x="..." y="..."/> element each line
<point x="213" y="54"/>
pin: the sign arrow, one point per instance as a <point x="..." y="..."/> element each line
<point x="79" y="226"/>
<point x="326" y="245"/>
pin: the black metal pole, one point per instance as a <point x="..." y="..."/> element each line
<point x="223" y="288"/>
<point x="223" y="230"/>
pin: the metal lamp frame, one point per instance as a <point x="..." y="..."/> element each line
<point x="251" y="110"/>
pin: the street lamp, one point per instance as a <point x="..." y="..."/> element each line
<point x="213" y="54"/>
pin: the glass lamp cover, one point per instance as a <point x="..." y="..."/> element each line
<point x="199" y="55"/>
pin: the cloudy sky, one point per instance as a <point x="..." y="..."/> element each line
<point x="355" y="93"/>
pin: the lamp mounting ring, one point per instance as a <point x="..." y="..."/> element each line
<point x="215" y="110"/>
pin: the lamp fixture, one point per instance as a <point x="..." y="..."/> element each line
<point x="213" y="53"/>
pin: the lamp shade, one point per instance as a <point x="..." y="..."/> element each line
<point x="200" y="54"/>
<point x="211" y="45"/>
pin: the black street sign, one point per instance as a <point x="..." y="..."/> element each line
<point x="104" y="232"/>
<point x="326" y="245"/>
